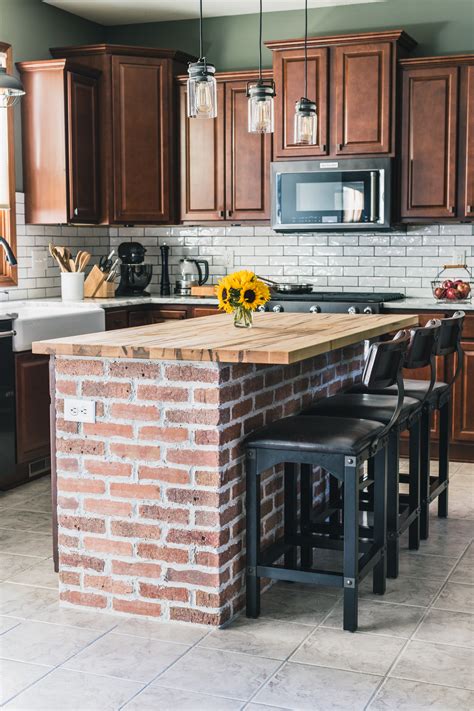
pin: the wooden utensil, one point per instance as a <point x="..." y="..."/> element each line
<point x="58" y="258"/>
<point x="84" y="261"/>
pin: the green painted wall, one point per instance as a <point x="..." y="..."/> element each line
<point x="32" y="27"/>
<point x="439" y="26"/>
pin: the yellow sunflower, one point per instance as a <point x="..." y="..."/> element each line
<point x="253" y="294"/>
<point x="222" y="292"/>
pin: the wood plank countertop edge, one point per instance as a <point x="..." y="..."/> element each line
<point x="276" y="339"/>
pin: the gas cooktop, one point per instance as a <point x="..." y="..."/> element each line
<point x="371" y="297"/>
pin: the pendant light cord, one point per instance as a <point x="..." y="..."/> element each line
<point x="260" y="43"/>
<point x="306" y="49"/>
<point x="200" y="29"/>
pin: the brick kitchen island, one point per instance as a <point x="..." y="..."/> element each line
<point x="151" y="497"/>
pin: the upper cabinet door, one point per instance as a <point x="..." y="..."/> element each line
<point x="466" y="154"/>
<point x="429" y="136"/>
<point x="202" y="162"/>
<point x="248" y="156"/>
<point x="83" y="148"/>
<point x="362" y="109"/>
<point x="142" y="140"/>
<point x="288" y="68"/>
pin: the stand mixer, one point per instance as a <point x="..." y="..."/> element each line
<point x="191" y="275"/>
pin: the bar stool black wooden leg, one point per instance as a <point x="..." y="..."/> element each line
<point x="414" y="493"/>
<point x="393" y="506"/>
<point x="306" y="507"/>
<point x="351" y="544"/>
<point x="253" y="535"/>
<point x="425" y="440"/>
<point x="380" y="519"/>
<point x="444" y="428"/>
<point x="291" y="489"/>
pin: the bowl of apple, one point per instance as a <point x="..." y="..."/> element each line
<point x="449" y="290"/>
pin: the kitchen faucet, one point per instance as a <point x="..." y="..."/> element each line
<point x="11" y="259"/>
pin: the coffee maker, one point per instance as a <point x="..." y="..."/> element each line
<point x="135" y="275"/>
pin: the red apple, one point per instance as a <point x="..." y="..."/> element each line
<point x="439" y="292"/>
<point x="452" y="294"/>
<point x="463" y="289"/>
<point x="447" y="284"/>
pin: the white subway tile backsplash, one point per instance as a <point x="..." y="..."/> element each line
<point x="404" y="260"/>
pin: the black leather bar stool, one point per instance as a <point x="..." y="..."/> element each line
<point x="403" y="511"/>
<point x="437" y="398"/>
<point x="340" y="446"/>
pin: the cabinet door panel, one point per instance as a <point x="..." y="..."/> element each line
<point x="199" y="311"/>
<point x="248" y="157"/>
<point x="466" y="148"/>
<point x="139" y="317"/>
<point x="361" y="119"/>
<point x="202" y="162"/>
<point x="463" y="402"/>
<point x="83" y="155"/>
<point x="116" y="319"/>
<point x="288" y="67"/>
<point x="141" y="108"/>
<point x="429" y="138"/>
<point x="32" y="406"/>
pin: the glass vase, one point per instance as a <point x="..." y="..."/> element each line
<point x="243" y="317"/>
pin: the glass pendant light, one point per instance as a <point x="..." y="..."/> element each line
<point x="306" y="120"/>
<point x="260" y="96"/>
<point x="11" y="89"/>
<point x="202" y="90"/>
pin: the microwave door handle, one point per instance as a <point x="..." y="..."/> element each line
<point x="373" y="196"/>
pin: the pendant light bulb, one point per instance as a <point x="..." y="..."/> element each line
<point x="201" y="84"/>
<point x="306" y="118"/>
<point x="261" y="96"/>
<point x="11" y="89"/>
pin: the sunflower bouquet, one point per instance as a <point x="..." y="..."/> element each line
<point x="241" y="293"/>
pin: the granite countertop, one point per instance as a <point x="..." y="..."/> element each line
<point x="427" y="305"/>
<point x="275" y="339"/>
<point x="152" y="299"/>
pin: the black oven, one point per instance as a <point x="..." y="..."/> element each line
<point x="331" y="195"/>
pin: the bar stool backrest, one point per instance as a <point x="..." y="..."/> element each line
<point x="450" y="334"/>
<point x="423" y="344"/>
<point x="385" y="361"/>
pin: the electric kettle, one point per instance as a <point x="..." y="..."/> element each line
<point x="191" y="271"/>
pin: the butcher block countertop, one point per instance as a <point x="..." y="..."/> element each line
<point x="275" y="339"/>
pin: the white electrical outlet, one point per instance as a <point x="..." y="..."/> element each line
<point x="79" y="410"/>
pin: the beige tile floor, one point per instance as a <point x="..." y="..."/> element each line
<point x="413" y="651"/>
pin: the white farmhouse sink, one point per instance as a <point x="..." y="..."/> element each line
<point x="39" y="321"/>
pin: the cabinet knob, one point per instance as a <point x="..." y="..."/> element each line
<point x="451" y="210"/>
<point x="468" y="208"/>
<point x="229" y="213"/>
<point x="221" y="213"/>
<point x="76" y="211"/>
<point x="339" y="146"/>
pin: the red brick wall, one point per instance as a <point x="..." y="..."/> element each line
<point x="151" y="497"/>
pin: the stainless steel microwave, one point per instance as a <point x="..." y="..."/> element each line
<point x="348" y="194"/>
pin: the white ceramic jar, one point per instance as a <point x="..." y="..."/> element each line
<point x="72" y="286"/>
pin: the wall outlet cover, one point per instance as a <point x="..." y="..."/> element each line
<point x="79" y="410"/>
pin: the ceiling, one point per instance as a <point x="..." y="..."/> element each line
<point x="123" y="12"/>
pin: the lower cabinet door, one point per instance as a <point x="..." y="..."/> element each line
<point x="140" y="317"/>
<point x="463" y="398"/>
<point x="116" y="319"/>
<point x="168" y="314"/>
<point x="32" y="406"/>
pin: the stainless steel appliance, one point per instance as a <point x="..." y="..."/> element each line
<point x="331" y="302"/>
<point x="348" y="194"/>
<point x="191" y="275"/>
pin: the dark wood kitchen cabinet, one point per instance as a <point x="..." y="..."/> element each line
<point x="135" y="147"/>
<point x="288" y="68"/>
<point x="32" y="406"/>
<point x="462" y="402"/>
<point x="437" y="151"/>
<point x="363" y="79"/>
<point x="60" y="115"/>
<point x="353" y="79"/>
<point x="225" y="170"/>
<point x="145" y="314"/>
